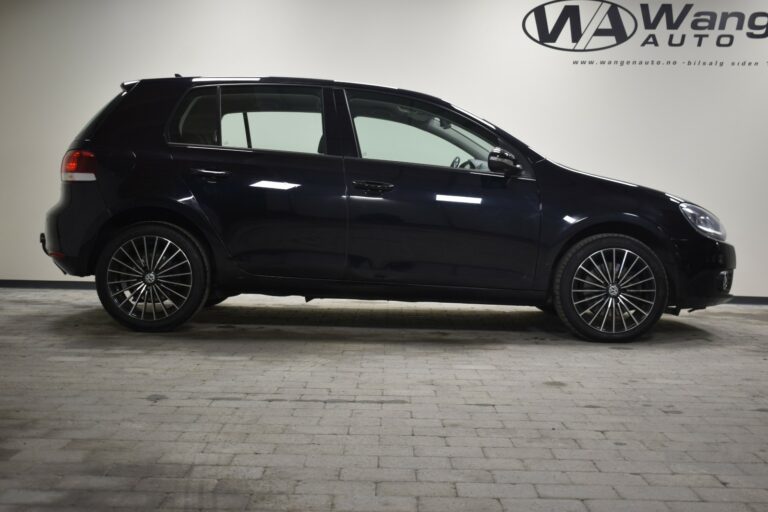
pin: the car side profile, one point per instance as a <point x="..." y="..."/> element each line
<point x="184" y="191"/>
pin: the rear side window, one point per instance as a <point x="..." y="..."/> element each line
<point x="196" y="121"/>
<point x="280" y="118"/>
<point x="276" y="118"/>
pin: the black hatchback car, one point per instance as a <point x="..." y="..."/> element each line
<point x="184" y="191"/>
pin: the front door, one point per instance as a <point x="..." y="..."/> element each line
<point x="258" y="168"/>
<point x="424" y="208"/>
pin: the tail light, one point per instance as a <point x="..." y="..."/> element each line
<point x="78" y="165"/>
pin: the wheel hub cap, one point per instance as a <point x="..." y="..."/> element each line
<point x="149" y="278"/>
<point x="613" y="290"/>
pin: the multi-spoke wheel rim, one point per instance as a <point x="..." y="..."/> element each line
<point x="149" y="278"/>
<point x="613" y="290"/>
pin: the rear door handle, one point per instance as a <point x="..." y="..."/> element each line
<point x="373" y="187"/>
<point x="209" y="174"/>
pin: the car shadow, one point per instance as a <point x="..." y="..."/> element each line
<point x="233" y="323"/>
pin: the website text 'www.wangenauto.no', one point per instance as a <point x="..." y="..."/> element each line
<point x="668" y="63"/>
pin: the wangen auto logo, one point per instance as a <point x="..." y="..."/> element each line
<point x="589" y="25"/>
<point x="579" y="25"/>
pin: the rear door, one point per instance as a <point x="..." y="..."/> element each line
<point x="255" y="159"/>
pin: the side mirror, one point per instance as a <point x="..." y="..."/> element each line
<point x="504" y="162"/>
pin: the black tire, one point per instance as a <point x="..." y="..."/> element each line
<point x="152" y="276"/>
<point x="610" y="287"/>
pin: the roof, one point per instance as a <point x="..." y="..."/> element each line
<point x="294" y="80"/>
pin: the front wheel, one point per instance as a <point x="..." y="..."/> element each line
<point x="610" y="287"/>
<point x="152" y="277"/>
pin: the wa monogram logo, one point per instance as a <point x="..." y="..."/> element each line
<point x="580" y="25"/>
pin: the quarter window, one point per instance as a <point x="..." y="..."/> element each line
<point x="398" y="129"/>
<point x="197" y="119"/>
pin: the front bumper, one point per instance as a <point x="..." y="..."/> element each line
<point x="704" y="273"/>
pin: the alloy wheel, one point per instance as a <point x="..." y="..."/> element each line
<point x="613" y="290"/>
<point x="149" y="278"/>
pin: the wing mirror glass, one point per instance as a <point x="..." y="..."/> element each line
<point x="503" y="162"/>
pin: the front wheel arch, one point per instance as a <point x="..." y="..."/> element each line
<point x="653" y="240"/>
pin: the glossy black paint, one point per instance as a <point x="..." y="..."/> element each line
<point x="357" y="227"/>
<point x="408" y="236"/>
<point x="270" y="232"/>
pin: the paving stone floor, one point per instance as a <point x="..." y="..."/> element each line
<point x="272" y="404"/>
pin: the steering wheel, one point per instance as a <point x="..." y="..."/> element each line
<point x="469" y="164"/>
<point x="456" y="162"/>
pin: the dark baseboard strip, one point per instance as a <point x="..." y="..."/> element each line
<point x="59" y="285"/>
<point x="746" y="299"/>
<point x="90" y="285"/>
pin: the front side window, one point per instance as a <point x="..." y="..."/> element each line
<point x="399" y="129"/>
<point x="272" y="117"/>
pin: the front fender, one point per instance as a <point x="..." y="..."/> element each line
<point x="577" y="205"/>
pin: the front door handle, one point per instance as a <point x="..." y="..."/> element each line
<point x="209" y="174"/>
<point x="373" y="187"/>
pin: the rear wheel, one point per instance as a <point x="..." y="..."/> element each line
<point x="152" y="277"/>
<point x="610" y="287"/>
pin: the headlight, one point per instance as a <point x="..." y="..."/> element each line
<point x="703" y="221"/>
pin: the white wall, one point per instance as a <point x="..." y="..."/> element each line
<point x="699" y="133"/>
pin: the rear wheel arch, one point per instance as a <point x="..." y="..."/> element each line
<point x="156" y="215"/>
<point x="131" y="278"/>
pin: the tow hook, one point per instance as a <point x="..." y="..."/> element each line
<point x="53" y="254"/>
<point x="42" y="242"/>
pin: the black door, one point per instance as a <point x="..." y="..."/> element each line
<point x="257" y="167"/>
<point x="425" y="209"/>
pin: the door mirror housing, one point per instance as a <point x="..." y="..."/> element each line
<point x="503" y="162"/>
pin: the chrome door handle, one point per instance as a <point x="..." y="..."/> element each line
<point x="209" y="174"/>
<point x="373" y="186"/>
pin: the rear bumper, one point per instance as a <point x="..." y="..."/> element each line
<point x="71" y="227"/>
<point x="704" y="273"/>
<point x="66" y="264"/>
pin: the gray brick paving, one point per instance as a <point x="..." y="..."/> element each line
<point x="271" y="404"/>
